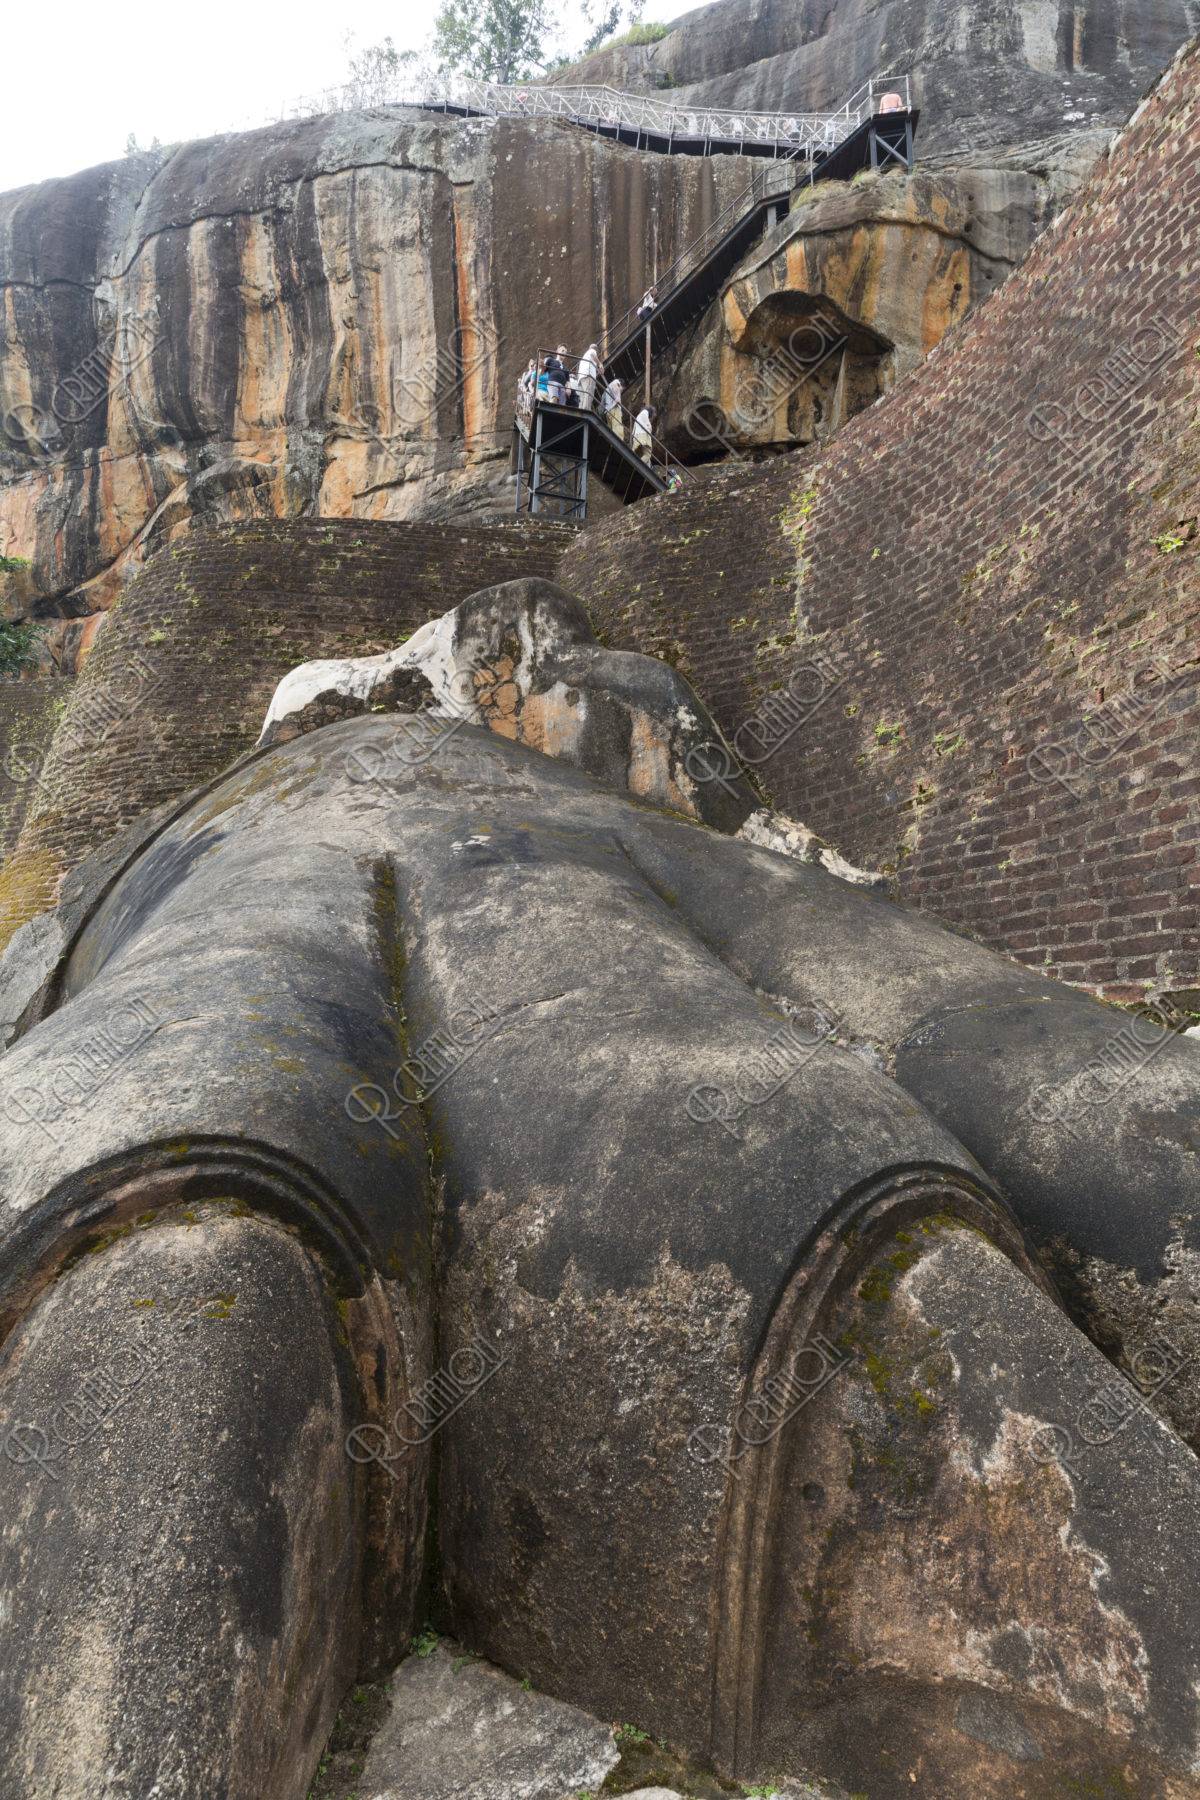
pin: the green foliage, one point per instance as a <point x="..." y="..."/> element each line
<point x="629" y="1734"/>
<point x="17" y="647"/>
<point x="604" y="17"/>
<point x="10" y="564"/>
<point x="492" y="40"/>
<point x="425" y="1642"/>
<point x="649" y="33"/>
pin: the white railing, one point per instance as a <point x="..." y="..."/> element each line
<point x="601" y="108"/>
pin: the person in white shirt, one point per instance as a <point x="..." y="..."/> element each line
<point x="589" y="369"/>
<point x="643" y="433"/>
<point x="649" y="305"/>
<point x="610" y="407"/>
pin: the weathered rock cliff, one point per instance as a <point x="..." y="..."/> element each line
<point x="883" y="266"/>
<point x="329" y="317"/>
<point x="991" y="72"/>
<point x="326" y="316"/>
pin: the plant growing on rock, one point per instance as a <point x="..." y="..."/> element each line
<point x="17" y="647"/>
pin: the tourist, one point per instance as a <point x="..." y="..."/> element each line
<point x="610" y="408"/>
<point x="643" y="432"/>
<point x="556" y="373"/>
<point x="589" y="369"/>
<point x="529" y="379"/>
<point x="649" y="304"/>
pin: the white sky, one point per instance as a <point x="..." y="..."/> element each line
<point x="78" y="78"/>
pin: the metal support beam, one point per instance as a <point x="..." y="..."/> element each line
<point x="884" y="150"/>
<point x="558" y="484"/>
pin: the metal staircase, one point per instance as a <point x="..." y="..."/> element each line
<point x="695" y="278"/>
<point x="559" y="443"/>
<point x="556" y="443"/>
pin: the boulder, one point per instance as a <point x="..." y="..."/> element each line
<point x="459" y="1729"/>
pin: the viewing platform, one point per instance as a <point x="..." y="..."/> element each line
<point x="558" y="445"/>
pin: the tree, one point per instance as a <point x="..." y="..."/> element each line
<point x="371" y="74"/>
<point x="493" y="40"/>
<point x="604" y="16"/>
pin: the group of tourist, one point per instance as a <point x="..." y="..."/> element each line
<point x="564" y="380"/>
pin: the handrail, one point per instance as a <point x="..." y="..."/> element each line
<point x="770" y="183"/>
<point x="606" y="106"/>
<point x="802" y="133"/>
<point x="690" y="259"/>
<point x="660" y="459"/>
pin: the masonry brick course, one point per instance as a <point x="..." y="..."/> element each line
<point x="1003" y="555"/>
<point x="30" y="710"/>
<point x="182" y="674"/>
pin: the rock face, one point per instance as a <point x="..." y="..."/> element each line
<point x="987" y="73"/>
<point x="323" y="317"/>
<point x="853" y="289"/>
<point x="329" y="316"/>
<point x="458" y="1729"/>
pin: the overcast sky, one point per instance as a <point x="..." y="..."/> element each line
<point x="79" y="78"/>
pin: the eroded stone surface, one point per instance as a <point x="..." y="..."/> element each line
<point x="855" y="287"/>
<point x="982" y="73"/>
<point x="325" y="316"/>
<point x="459" y="1729"/>
<point x="523" y="660"/>
<point x="509" y="1044"/>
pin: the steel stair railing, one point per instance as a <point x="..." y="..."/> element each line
<point x="762" y="188"/>
<point x="661" y="461"/>
<point x="809" y="134"/>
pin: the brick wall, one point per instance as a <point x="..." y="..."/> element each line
<point x="1002" y="559"/>
<point x="30" y="709"/>
<point x="181" y="676"/>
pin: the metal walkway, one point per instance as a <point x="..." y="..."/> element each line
<point x="648" y="123"/>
